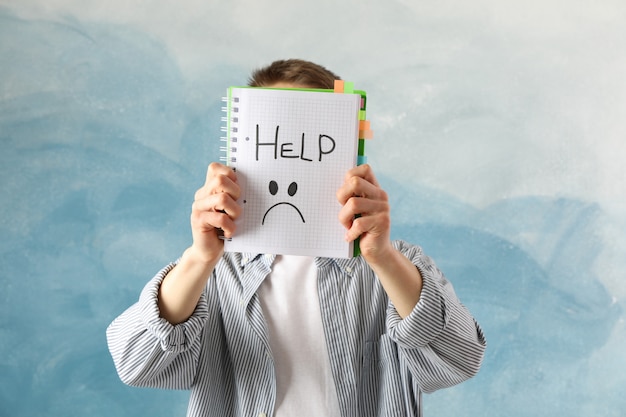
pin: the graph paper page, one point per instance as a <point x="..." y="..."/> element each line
<point x="291" y="150"/>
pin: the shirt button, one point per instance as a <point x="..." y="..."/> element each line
<point x="262" y="415"/>
<point x="348" y="270"/>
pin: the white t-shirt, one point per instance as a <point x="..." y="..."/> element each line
<point x="290" y="303"/>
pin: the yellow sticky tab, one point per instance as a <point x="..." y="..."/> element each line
<point x="339" y="86"/>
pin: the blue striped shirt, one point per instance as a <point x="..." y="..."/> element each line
<point x="380" y="362"/>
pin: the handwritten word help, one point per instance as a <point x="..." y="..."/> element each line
<point x="325" y="146"/>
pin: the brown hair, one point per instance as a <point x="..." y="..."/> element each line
<point x="295" y="71"/>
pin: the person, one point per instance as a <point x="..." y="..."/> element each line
<point x="270" y="335"/>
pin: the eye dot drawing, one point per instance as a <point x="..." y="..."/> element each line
<point x="293" y="188"/>
<point x="291" y="191"/>
<point x="273" y="187"/>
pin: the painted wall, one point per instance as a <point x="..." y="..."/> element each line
<point x="499" y="135"/>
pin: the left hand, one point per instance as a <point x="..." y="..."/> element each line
<point x="361" y="195"/>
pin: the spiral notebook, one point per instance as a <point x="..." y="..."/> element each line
<point x="291" y="149"/>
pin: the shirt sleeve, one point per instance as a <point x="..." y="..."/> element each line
<point x="149" y="351"/>
<point x="440" y="341"/>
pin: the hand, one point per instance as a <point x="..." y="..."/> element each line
<point x="213" y="212"/>
<point x="366" y="213"/>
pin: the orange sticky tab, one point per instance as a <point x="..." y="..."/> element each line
<point x="364" y="124"/>
<point x="366" y="134"/>
<point x="339" y="85"/>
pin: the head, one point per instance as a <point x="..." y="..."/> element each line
<point x="293" y="73"/>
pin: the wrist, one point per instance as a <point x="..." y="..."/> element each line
<point x="200" y="258"/>
<point x="380" y="254"/>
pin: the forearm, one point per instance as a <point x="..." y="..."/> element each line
<point x="182" y="287"/>
<point x="401" y="280"/>
<point x="214" y="209"/>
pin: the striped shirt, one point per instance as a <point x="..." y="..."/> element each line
<point x="380" y="362"/>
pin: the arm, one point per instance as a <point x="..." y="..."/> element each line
<point x="439" y="341"/>
<point x="156" y="341"/>
<point x="361" y="195"/>
<point x="214" y="209"/>
<point x="437" y="337"/>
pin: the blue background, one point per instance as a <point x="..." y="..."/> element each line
<point x="499" y="136"/>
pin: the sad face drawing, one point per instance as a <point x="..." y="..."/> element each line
<point x="291" y="191"/>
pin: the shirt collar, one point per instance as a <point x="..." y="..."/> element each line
<point x="347" y="265"/>
<point x="257" y="266"/>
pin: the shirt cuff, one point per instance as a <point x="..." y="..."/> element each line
<point x="173" y="338"/>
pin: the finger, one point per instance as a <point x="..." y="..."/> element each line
<point x="219" y="183"/>
<point x="359" y="186"/>
<point x="371" y="225"/>
<point x="222" y="203"/>
<point x="217" y="174"/>
<point x="213" y="222"/>
<point x="364" y="171"/>
<point x="216" y="169"/>
<point x="358" y="206"/>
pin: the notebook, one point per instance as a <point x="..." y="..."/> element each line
<point x="291" y="149"/>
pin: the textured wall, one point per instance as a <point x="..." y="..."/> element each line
<point x="499" y="136"/>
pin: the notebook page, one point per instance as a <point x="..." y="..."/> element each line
<point x="291" y="153"/>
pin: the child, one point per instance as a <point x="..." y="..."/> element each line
<point x="266" y="335"/>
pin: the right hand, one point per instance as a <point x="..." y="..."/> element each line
<point x="213" y="212"/>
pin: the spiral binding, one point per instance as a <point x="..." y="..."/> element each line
<point x="229" y="127"/>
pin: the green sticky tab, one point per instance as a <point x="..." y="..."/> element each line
<point x="362" y="115"/>
<point x="348" y="87"/>
<point x="361" y="147"/>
